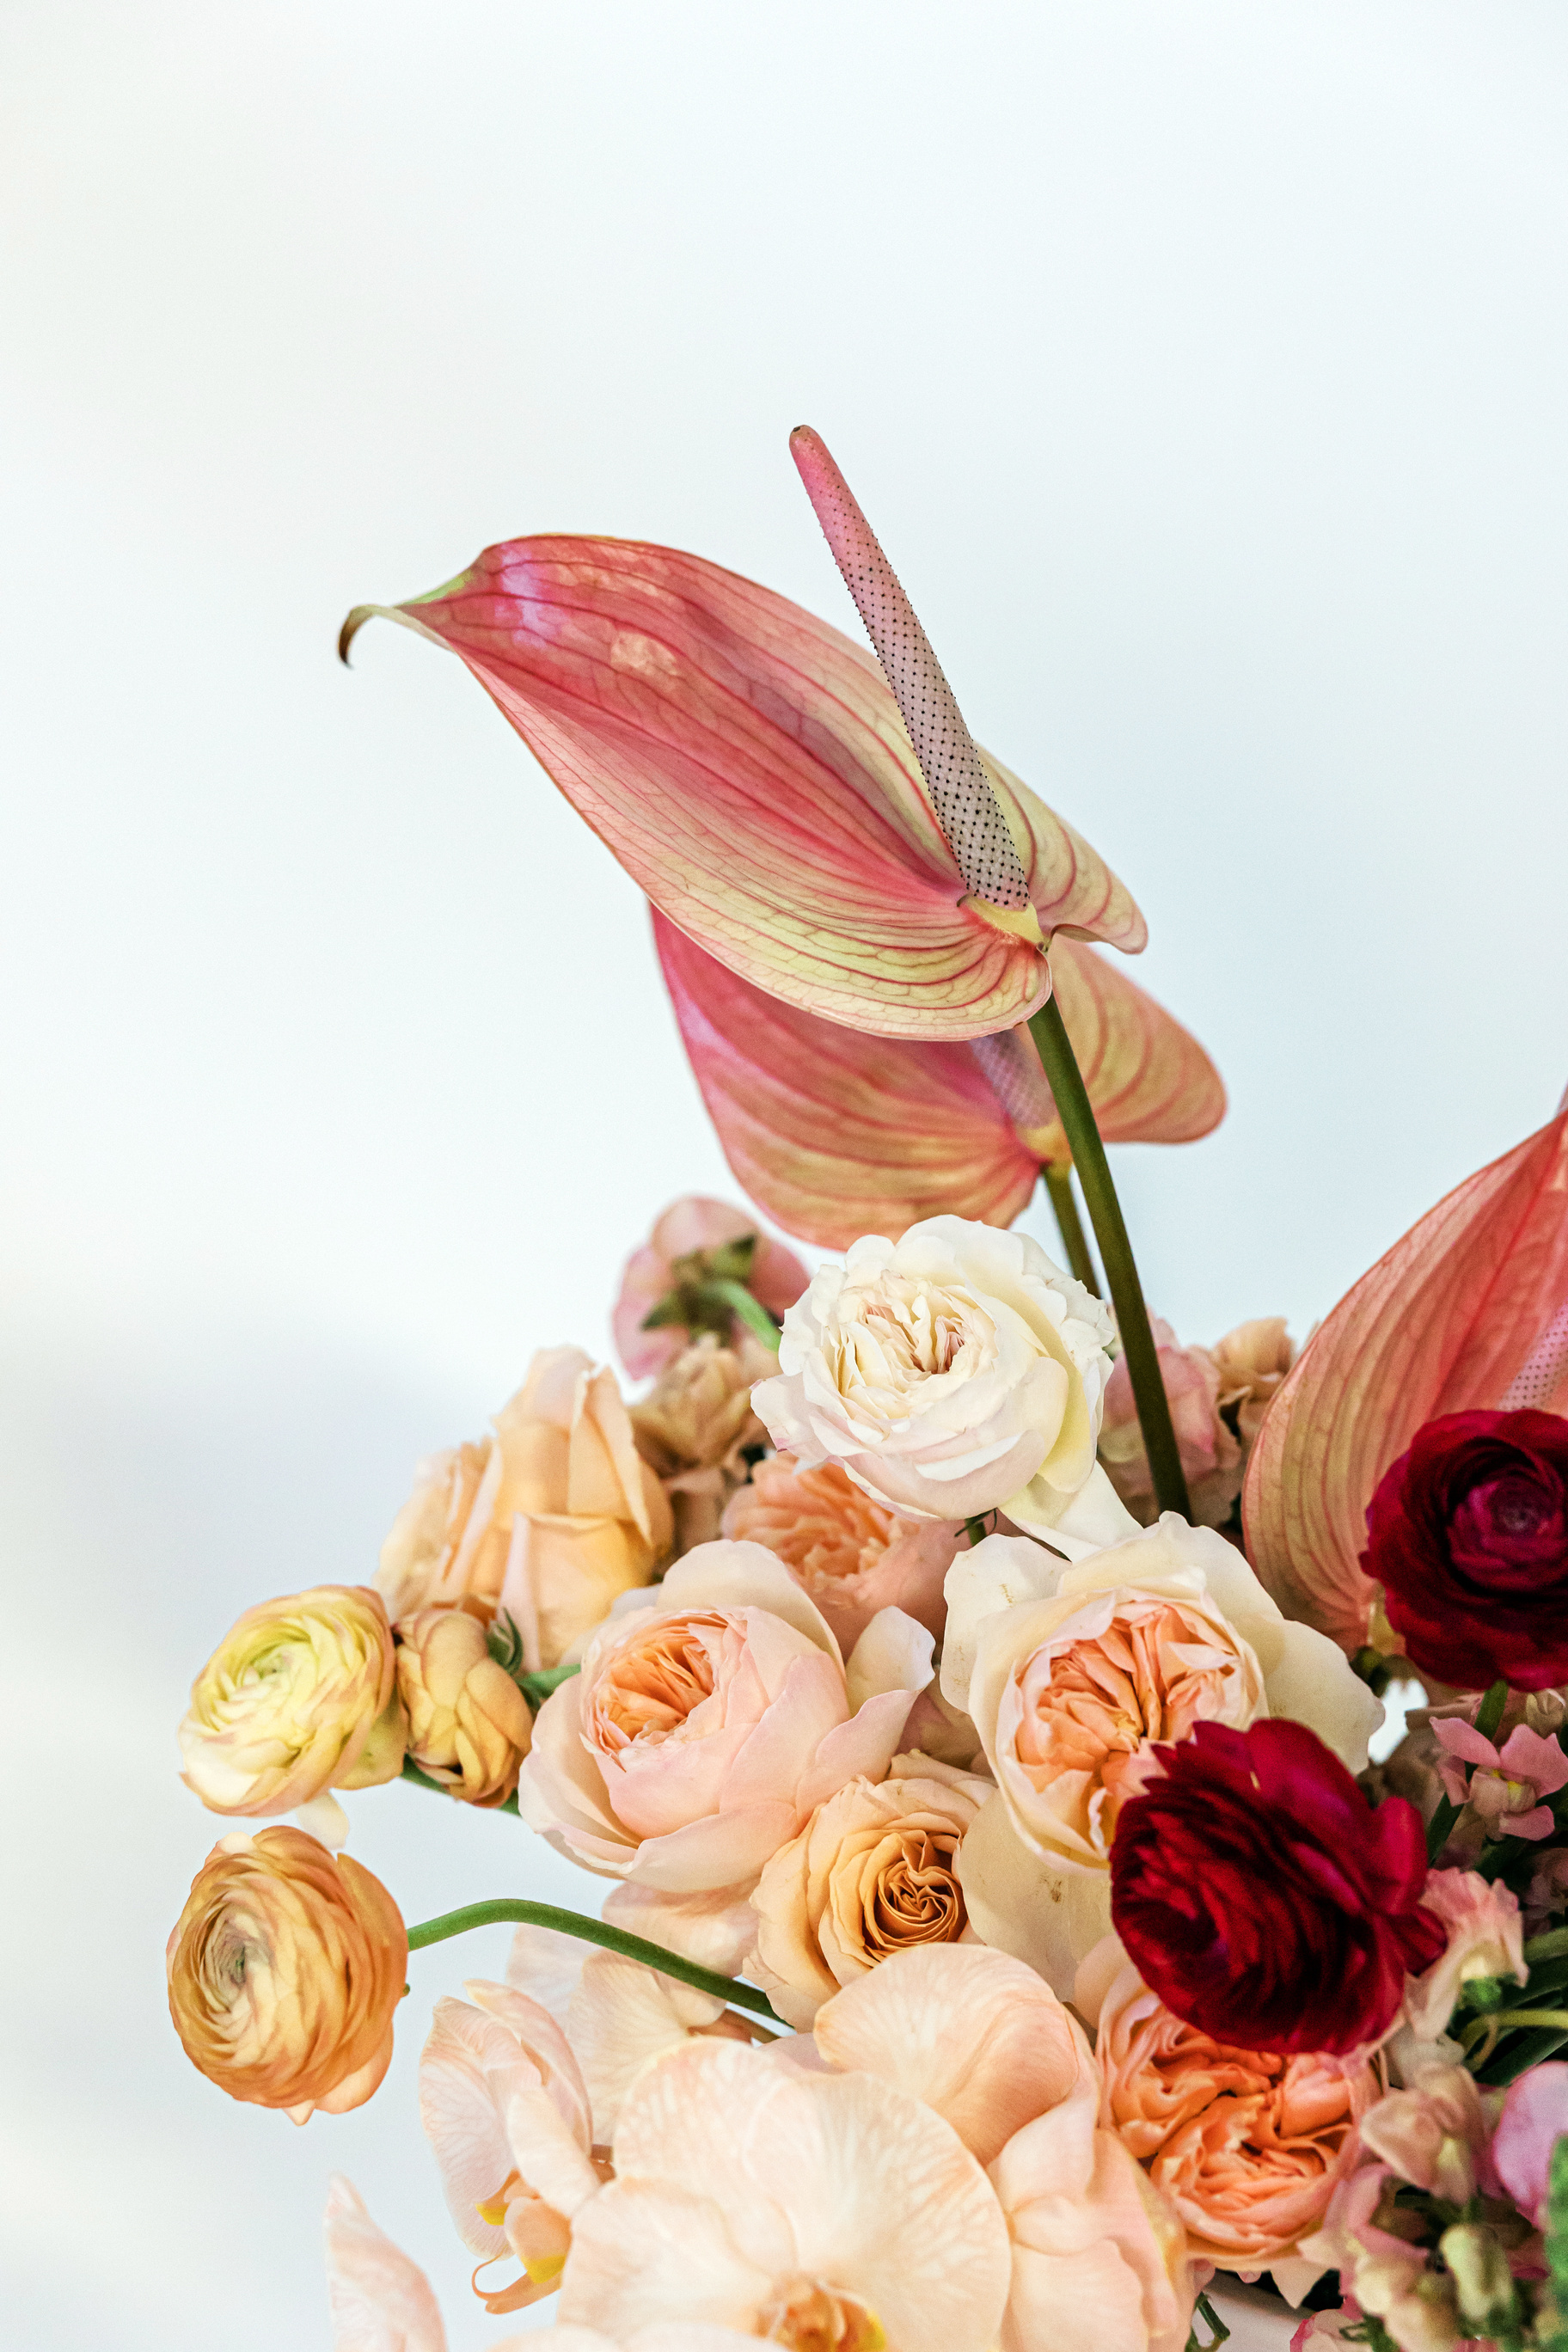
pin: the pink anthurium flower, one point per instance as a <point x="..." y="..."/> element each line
<point x="1469" y="1309"/>
<point x="749" y="768"/>
<point x="837" y="1134"/>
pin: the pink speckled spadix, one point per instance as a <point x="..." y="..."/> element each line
<point x="965" y="805"/>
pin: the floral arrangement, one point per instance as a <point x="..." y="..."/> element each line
<point x="961" y="1688"/>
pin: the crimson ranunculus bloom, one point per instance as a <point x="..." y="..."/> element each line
<point x="1261" y="1897"/>
<point x="1467" y="1534"/>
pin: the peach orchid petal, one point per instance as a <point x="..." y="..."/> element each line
<point x="1463" y="1312"/>
<point x="835" y="1133"/>
<point x="745" y="2191"/>
<point x="381" y="2301"/>
<point x="967" y="2031"/>
<point x="748" y="767"/>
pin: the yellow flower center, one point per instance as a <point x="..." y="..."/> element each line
<point x="811" y="2317"/>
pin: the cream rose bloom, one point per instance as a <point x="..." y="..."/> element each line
<point x="1072" y="1674"/>
<point x="550" y="1516"/>
<point x="953" y="1372"/>
<point x="873" y="1872"/>
<point x="710" y="1719"/>
<point x="300" y="1697"/>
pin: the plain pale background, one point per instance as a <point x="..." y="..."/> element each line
<point x="1202" y="367"/>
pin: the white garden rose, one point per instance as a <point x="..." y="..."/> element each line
<point x="951" y="1373"/>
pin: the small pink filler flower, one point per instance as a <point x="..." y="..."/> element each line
<point x="1507" y="1784"/>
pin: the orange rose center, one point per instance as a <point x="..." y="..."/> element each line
<point x="655" y="1683"/>
<point x="915" y="1897"/>
<point x="1089" y="1708"/>
<point x="817" y="1521"/>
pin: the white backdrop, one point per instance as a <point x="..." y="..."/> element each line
<point x="1202" y="367"/>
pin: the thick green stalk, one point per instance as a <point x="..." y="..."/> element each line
<point x="514" y="1909"/>
<point x="1077" y="1115"/>
<point x="1070" y="1225"/>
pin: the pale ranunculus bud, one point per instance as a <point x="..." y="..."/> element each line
<point x="1211" y="1458"/>
<point x="551" y="1516"/>
<point x="955" y="1372"/>
<point x="695" y="1243"/>
<point x="469" y="1725"/>
<point x="285" y="1969"/>
<point x="300" y="1697"/>
<point x="1252" y="1362"/>
<point x="694" y="1428"/>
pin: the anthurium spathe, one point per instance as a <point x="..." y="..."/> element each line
<point x="835" y="1133"/>
<point x="748" y="766"/>
<point x="1466" y="1311"/>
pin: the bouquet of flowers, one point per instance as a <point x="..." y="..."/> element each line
<point x="962" y="1689"/>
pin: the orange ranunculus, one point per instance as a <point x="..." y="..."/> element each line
<point x="285" y="1969"/>
<point x="468" y="1724"/>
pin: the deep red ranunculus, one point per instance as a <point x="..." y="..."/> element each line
<point x="1262" y="1898"/>
<point x="1467" y="1534"/>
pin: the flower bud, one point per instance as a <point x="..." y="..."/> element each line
<point x="468" y="1724"/>
<point x="300" y="1696"/>
<point x="285" y="1969"/>
<point x="1481" y="2277"/>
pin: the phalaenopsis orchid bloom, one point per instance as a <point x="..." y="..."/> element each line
<point x="1469" y="1309"/>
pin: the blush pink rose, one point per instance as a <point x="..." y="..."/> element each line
<point x="1211" y="1457"/>
<point x="1248" y="2145"/>
<point x="853" y="1556"/>
<point x="688" y="1232"/>
<point x="711" y="1718"/>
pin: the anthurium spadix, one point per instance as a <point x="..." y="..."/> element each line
<point x="835" y="1134"/>
<point x="1469" y="1309"/>
<point x="749" y="768"/>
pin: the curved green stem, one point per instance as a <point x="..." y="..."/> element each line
<point x="1077" y="1115"/>
<point x="1070" y="1225"/>
<point x="516" y="1910"/>
<point x="751" y="1311"/>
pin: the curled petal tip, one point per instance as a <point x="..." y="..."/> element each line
<point x="352" y="628"/>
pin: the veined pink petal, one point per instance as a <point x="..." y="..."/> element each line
<point x="835" y="1134"/>
<point x="1459" y="1314"/>
<point x="748" y="767"/>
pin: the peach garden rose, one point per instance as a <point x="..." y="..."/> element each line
<point x="1072" y="1674"/>
<point x="953" y="1372"/>
<point x="709" y="1720"/>
<point x="285" y="1969"/>
<point x="851" y="1555"/>
<point x="1248" y="2146"/>
<point x="872" y="1873"/>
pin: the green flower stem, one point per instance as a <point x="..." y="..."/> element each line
<point x="514" y="1909"/>
<point x="1073" y="1108"/>
<point x="1440" y="1828"/>
<point x="1481" y="2038"/>
<point x="422" y="1781"/>
<point x="1070" y="1225"/>
<point x="751" y="1311"/>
